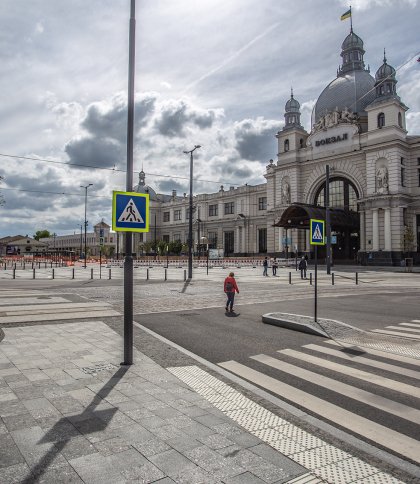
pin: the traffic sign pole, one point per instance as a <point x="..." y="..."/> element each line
<point x="128" y="261"/>
<point x="316" y="285"/>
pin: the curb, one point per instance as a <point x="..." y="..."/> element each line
<point x="304" y="324"/>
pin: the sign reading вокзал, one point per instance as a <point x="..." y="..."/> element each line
<point x="130" y="212"/>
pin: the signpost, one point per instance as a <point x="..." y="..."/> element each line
<point x="317" y="228"/>
<point x="130" y="213"/>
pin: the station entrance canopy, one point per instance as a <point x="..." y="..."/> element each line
<point x="298" y="215"/>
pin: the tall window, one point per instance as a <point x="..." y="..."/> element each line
<point x="418" y="171"/>
<point x="343" y="194"/>
<point x="229" y="242"/>
<point x="166" y="216"/>
<point x="262" y="203"/>
<point x="402" y="171"/>
<point x="286" y="145"/>
<point x="177" y="238"/>
<point x="177" y="214"/>
<point x="262" y="240"/>
<point x="229" y="208"/>
<point x="165" y="238"/>
<point x="212" y="238"/>
<point x="400" y="120"/>
<point x="213" y="210"/>
<point x="381" y="120"/>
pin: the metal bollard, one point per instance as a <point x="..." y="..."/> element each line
<point x="14" y="273"/>
<point x="185" y="275"/>
<point x="147" y="274"/>
<point x="290" y="277"/>
<point x="72" y="275"/>
<point x="310" y="278"/>
<point x="5" y="266"/>
<point x="109" y="274"/>
<point x="32" y="265"/>
<point x="53" y="274"/>
<point x="15" y="265"/>
<point x="39" y="265"/>
<point x="33" y="273"/>
<point x="91" y="273"/>
<point x="24" y="265"/>
<point x="357" y="278"/>
<point x="166" y="274"/>
<point x="332" y="278"/>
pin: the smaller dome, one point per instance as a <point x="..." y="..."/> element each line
<point x="385" y="71"/>
<point x="143" y="188"/>
<point x="292" y="105"/>
<point x="352" y="41"/>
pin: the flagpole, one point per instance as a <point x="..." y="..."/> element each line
<point x="351" y="21"/>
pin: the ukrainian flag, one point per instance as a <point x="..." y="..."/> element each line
<point x="346" y="15"/>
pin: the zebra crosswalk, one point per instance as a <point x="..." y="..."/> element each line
<point x="405" y="330"/>
<point x="368" y="392"/>
<point x="19" y="306"/>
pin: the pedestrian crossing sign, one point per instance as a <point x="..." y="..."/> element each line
<point x="317" y="228"/>
<point x="130" y="212"/>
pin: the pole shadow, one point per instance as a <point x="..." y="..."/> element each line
<point x="88" y="421"/>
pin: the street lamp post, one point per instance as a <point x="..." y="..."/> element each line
<point x="86" y="222"/>
<point x="327" y="217"/>
<point x="190" y="242"/>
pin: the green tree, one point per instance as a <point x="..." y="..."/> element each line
<point x="41" y="234"/>
<point x="175" y="247"/>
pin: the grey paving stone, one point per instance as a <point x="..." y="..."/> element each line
<point x="77" y="447"/>
<point x="245" y="478"/>
<point x="172" y="462"/>
<point x="151" y="423"/>
<point x="210" y="420"/>
<point x="40" y="407"/>
<point x="29" y="392"/>
<point x="278" y="459"/>
<point x="192" y="410"/>
<point x="213" y="462"/>
<point x="167" y="412"/>
<point x="134" y="433"/>
<point x="66" y="404"/>
<point x="144" y="474"/>
<point x="14" y="407"/>
<point x="245" y="439"/>
<point x="165" y="480"/>
<point x="61" y="430"/>
<point x="95" y="469"/>
<point x="63" y="474"/>
<point x="197" y="430"/>
<point x="22" y="421"/>
<point x="196" y="475"/>
<point x="184" y="443"/>
<point x="9" y="452"/>
<point x="112" y="446"/>
<point x="151" y="447"/>
<point x="126" y="460"/>
<point x="14" y="474"/>
<point x="215" y="441"/>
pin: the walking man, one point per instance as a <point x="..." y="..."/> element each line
<point x="303" y="265"/>
<point x="274" y="266"/>
<point x="265" y="265"/>
<point x="230" y="287"/>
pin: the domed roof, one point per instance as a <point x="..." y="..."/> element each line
<point x="292" y="105"/>
<point x="346" y="91"/>
<point x="352" y="41"/>
<point x="385" y="71"/>
<point x="143" y="188"/>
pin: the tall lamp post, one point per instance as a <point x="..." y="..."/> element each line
<point x="190" y="224"/>
<point x="327" y="217"/>
<point x="86" y="222"/>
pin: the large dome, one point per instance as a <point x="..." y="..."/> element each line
<point x="346" y="91"/>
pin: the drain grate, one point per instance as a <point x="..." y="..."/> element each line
<point x="93" y="370"/>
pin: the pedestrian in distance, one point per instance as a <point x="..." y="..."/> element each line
<point x="230" y="287"/>
<point x="274" y="266"/>
<point x="265" y="266"/>
<point x="303" y="265"/>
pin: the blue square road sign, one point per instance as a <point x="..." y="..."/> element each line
<point x="317" y="228"/>
<point x="130" y="212"/>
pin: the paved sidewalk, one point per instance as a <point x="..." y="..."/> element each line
<point x="70" y="413"/>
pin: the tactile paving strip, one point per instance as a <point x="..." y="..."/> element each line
<point x="325" y="462"/>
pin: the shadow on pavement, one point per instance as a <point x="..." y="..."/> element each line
<point x="88" y="421"/>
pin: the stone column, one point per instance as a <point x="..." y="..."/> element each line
<point x="244" y="249"/>
<point x="362" y="231"/>
<point x="387" y="229"/>
<point x="236" y="241"/>
<point x="375" y="229"/>
<point x="281" y="235"/>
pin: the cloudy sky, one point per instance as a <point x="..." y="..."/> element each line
<point x="211" y="72"/>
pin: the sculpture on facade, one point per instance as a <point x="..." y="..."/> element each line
<point x="285" y="193"/>
<point x="382" y="180"/>
<point x="335" y="118"/>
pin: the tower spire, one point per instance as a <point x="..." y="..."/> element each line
<point x="351" y="21"/>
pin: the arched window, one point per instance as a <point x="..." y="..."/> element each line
<point x="286" y="145"/>
<point x="301" y="143"/>
<point x="381" y="120"/>
<point x="343" y="194"/>
<point x="400" y="120"/>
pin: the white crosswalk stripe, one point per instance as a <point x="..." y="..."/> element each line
<point x="382" y="386"/>
<point x="23" y="307"/>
